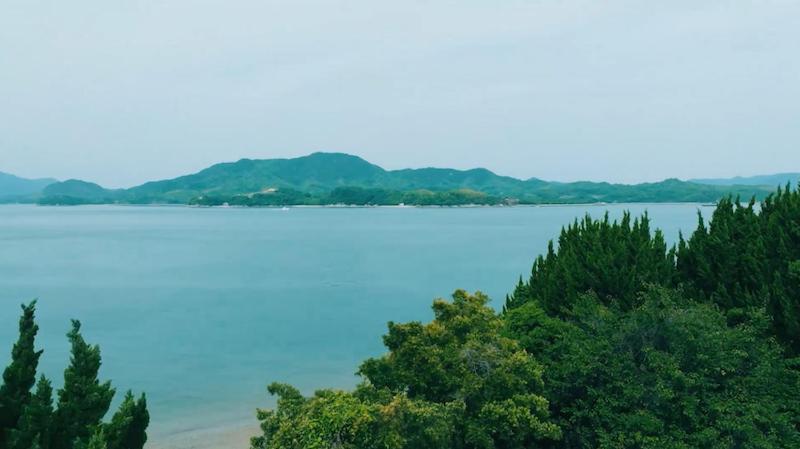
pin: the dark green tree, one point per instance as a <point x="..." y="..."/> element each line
<point x="724" y="262"/>
<point x="669" y="373"/>
<point x="83" y="400"/>
<point x="34" y="425"/>
<point x="615" y="260"/>
<point x="128" y="426"/>
<point x="96" y="441"/>
<point x="20" y="376"/>
<point x="748" y="258"/>
<point x="780" y="217"/>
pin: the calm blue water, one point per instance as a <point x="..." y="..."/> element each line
<point x="202" y="308"/>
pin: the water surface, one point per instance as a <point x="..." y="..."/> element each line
<point x="202" y="308"/>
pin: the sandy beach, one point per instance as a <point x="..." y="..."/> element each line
<point x="231" y="437"/>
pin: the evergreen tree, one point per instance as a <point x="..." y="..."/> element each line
<point x="615" y="260"/>
<point x="747" y="259"/>
<point x="20" y="376"/>
<point x="83" y="401"/>
<point x="780" y="214"/>
<point x="128" y="426"/>
<point x="724" y="262"/>
<point x="34" y="426"/>
<point x="670" y="373"/>
<point x="96" y="441"/>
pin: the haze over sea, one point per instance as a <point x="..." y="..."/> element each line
<point x="201" y="308"/>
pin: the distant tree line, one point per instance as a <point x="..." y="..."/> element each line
<point x="366" y="196"/>
<point x="29" y="418"/>
<point x="318" y="175"/>
<point x="616" y="341"/>
<point x="353" y="196"/>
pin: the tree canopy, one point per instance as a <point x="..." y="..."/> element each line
<point x="30" y="419"/>
<point x="455" y="382"/>
<point x="669" y="373"/>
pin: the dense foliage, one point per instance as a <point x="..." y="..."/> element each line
<point x="749" y="257"/>
<point x="615" y="341"/>
<point x="668" y="373"/>
<point x="612" y="259"/>
<point x="30" y="420"/>
<point x="455" y="382"/>
<point x="746" y="259"/>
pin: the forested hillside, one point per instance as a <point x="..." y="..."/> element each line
<point x="336" y="178"/>
<point x="615" y="341"/>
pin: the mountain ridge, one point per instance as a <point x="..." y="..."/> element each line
<point x="14" y="187"/>
<point x="777" y="179"/>
<point x="333" y="178"/>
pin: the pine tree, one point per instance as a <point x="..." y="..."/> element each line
<point x="97" y="441"/>
<point x="780" y="217"/>
<point x="128" y="426"/>
<point x="747" y="260"/>
<point x="34" y="426"/>
<point x="725" y="262"/>
<point x="615" y="260"/>
<point x="20" y="376"/>
<point x="83" y="401"/>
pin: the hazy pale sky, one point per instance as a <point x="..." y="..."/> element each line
<point x="627" y="91"/>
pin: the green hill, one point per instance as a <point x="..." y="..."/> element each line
<point x="336" y="178"/>
<point x="778" y="179"/>
<point x="320" y="173"/>
<point x="75" y="191"/>
<point x="14" y="188"/>
<point x="316" y="173"/>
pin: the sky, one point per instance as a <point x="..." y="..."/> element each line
<point x="625" y="91"/>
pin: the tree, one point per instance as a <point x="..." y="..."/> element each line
<point x="20" y="376"/>
<point x="329" y="419"/>
<point x="748" y="258"/>
<point x="83" y="400"/>
<point x="461" y="361"/>
<point x="615" y="260"/>
<point x="670" y="373"/>
<point x="96" y="441"/>
<point x="780" y="217"/>
<point x="452" y="383"/>
<point x="724" y="262"/>
<point x="128" y="426"/>
<point x="34" y="425"/>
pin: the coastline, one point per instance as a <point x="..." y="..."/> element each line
<point x="361" y="206"/>
<point x="233" y="436"/>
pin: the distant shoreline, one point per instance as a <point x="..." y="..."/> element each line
<point x="347" y="206"/>
<point x="337" y="178"/>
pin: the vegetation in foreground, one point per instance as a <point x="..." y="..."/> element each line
<point x="615" y="341"/>
<point x="29" y="419"/>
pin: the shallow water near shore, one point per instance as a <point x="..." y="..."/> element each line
<point x="201" y="308"/>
